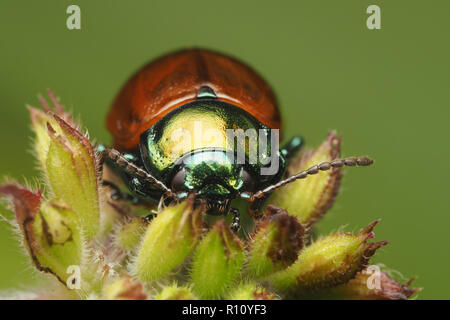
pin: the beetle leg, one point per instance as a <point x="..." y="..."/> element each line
<point x="116" y="194"/>
<point x="236" y="224"/>
<point x="129" y="167"/>
<point x="149" y="217"/>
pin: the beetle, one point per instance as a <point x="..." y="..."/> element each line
<point x="179" y="92"/>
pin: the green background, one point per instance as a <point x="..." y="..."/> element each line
<point x="386" y="91"/>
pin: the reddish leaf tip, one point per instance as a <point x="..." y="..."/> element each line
<point x="367" y="230"/>
<point x="26" y="202"/>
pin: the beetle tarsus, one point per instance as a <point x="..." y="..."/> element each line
<point x="236" y="224"/>
<point x="149" y="217"/>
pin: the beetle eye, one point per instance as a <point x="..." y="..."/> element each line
<point x="248" y="181"/>
<point x="178" y="180"/>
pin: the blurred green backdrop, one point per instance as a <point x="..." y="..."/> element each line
<point x="386" y="91"/>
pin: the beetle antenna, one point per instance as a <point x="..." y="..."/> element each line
<point x="130" y="167"/>
<point x="324" y="166"/>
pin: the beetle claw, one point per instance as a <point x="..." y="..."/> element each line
<point x="235" y="227"/>
<point x="236" y="224"/>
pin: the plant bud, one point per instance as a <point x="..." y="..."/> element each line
<point x="308" y="199"/>
<point x="50" y="230"/>
<point x="373" y="284"/>
<point x="329" y="261"/>
<point x="72" y="174"/>
<point x="217" y="262"/>
<point x="169" y="239"/>
<point x="275" y="244"/>
<point x="39" y="120"/>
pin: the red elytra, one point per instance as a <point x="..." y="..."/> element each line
<point x="175" y="79"/>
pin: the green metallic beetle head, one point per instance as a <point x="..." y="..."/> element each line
<point x="213" y="175"/>
<point x="190" y="151"/>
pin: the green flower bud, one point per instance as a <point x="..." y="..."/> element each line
<point x="217" y="262"/>
<point x="310" y="198"/>
<point x="175" y="292"/>
<point x="275" y="244"/>
<point x="250" y="291"/>
<point x="50" y="230"/>
<point x="39" y="121"/>
<point x="169" y="239"/>
<point x="329" y="261"/>
<point x="72" y="174"/>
